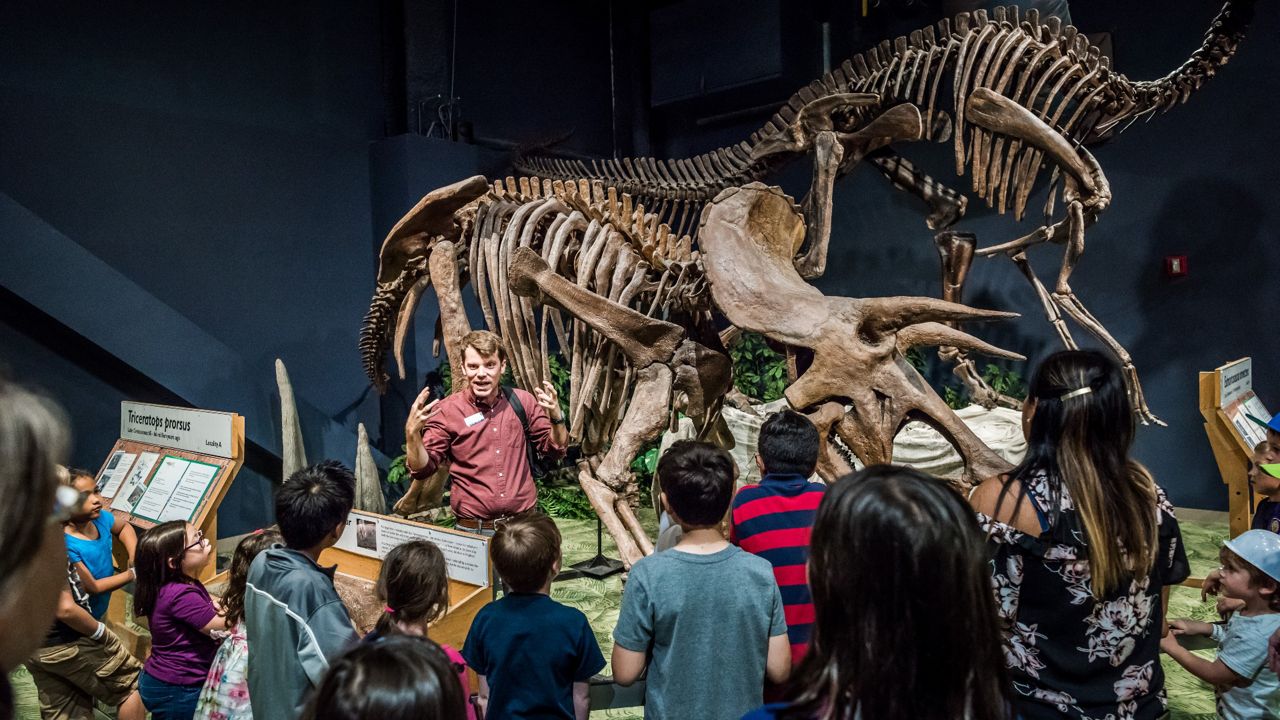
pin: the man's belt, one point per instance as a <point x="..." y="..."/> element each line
<point x="485" y="524"/>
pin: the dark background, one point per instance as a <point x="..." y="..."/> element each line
<point x="189" y="191"/>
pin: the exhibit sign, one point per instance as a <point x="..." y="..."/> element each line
<point x="1239" y="403"/>
<point x="199" y="431"/>
<point x="373" y="535"/>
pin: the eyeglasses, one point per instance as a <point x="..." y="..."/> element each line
<point x="200" y="541"/>
<point x="66" y="503"/>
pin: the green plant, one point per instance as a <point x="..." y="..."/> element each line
<point x="643" y="466"/>
<point x="758" y="371"/>
<point x="1002" y="380"/>
<point x="560" y="380"/>
<point x="1005" y="381"/>
<point x="568" y="502"/>
<point x="446" y="375"/>
<point x="916" y="357"/>
<point x="398" y="471"/>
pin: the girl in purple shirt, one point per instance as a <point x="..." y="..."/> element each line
<point x="183" y="618"/>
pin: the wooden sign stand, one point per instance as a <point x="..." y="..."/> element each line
<point x="466" y="594"/>
<point x="119" y="617"/>
<point x="358" y="566"/>
<point x="1230" y="450"/>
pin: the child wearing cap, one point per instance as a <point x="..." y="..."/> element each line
<point x="1264" y="475"/>
<point x="1245" y="686"/>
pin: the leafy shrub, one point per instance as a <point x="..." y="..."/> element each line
<point x="758" y="371"/>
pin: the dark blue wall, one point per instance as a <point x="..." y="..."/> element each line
<point x="215" y="155"/>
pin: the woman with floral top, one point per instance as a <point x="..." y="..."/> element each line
<point x="1084" y="547"/>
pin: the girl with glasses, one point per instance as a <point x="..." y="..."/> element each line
<point x="182" y="616"/>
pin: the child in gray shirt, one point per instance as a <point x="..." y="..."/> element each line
<point x="703" y="603"/>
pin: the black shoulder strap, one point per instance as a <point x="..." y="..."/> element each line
<point x="524" y="422"/>
<point x="515" y="405"/>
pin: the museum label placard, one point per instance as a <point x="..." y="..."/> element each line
<point x="375" y="535"/>
<point x="199" y="431"/>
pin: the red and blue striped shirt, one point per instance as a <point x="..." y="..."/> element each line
<point x="774" y="520"/>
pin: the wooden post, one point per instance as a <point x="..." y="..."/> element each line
<point x="1230" y="451"/>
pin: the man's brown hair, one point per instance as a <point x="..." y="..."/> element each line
<point x="485" y="343"/>
<point x="525" y="550"/>
<point x="1257" y="578"/>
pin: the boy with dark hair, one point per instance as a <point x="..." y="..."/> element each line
<point x="775" y="518"/>
<point x="702" y="604"/>
<point x="294" y="619"/>
<point x="532" y="655"/>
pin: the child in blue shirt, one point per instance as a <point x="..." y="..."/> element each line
<point x="532" y="655"/>
<point x="1245" y="686"/>
<point x="88" y="535"/>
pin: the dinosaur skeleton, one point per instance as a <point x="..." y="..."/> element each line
<point x="630" y="303"/>
<point x="1018" y="97"/>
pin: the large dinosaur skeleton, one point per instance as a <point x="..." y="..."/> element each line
<point x="582" y="267"/>
<point x="1020" y="99"/>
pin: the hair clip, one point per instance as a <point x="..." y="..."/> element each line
<point x="259" y="531"/>
<point x="389" y="610"/>
<point x="1082" y="391"/>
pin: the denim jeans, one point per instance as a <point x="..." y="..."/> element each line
<point x="166" y="701"/>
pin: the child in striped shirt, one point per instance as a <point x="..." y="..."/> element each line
<point x="774" y="518"/>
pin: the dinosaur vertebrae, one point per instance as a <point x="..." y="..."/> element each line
<point x="1047" y="67"/>
<point x="1220" y="44"/>
<point x="375" y="332"/>
<point x="603" y="242"/>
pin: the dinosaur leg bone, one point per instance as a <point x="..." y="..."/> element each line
<point x="1066" y="300"/>
<point x="1087" y="193"/>
<point x="608" y="487"/>
<point x="956" y="251"/>
<point x="946" y="205"/>
<point x="453" y="317"/>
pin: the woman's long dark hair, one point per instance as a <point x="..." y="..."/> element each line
<point x="413" y="586"/>
<point x="246" y="551"/>
<point x="397" y="678"/>
<point x="158" y="562"/>
<point x="905" y="623"/>
<point x="1080" y="440"/>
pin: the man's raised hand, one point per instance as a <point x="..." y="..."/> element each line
<point x="548" y="399"/>
<point x="419" y="412"/>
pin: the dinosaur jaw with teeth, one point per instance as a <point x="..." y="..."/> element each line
<point x="404" y="274"/>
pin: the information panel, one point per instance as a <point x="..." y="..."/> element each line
<point x="375" y="535"/>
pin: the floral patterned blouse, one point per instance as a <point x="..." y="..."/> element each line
<point x="226" y="689"/>
<point x="1068" y="654"/>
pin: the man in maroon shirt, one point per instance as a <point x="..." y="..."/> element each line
<point x="480" y="433"/>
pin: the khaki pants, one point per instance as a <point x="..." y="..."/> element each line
<point x="70" y="677"/>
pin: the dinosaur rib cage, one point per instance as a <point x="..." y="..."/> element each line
<point x="604" y="242"/>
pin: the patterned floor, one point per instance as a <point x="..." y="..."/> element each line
<point x="1190" y="699"/>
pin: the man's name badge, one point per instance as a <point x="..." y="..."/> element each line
<point x="473" y="419"/>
